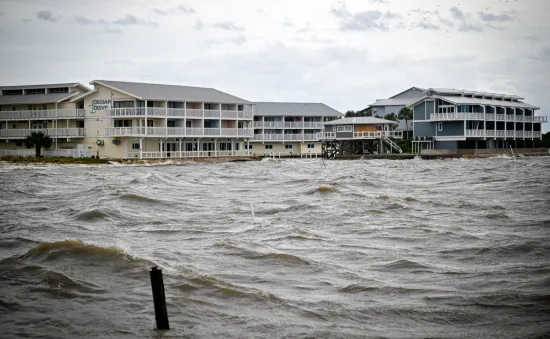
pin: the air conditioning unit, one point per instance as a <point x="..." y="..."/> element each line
<point x="100" y="142"/>
<point x="116" y="142"/>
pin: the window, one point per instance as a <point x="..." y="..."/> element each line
<point x="123" y="104"/>
<point x="247" y="146"/>
<point x="80" y="124"/>
<point x="123" y="123"/>
<point x="440" y="126"/>
<point x="59" y="90"/>
<point x="268" y="146"/>
<point x="310" y="145"/>
<point x="35" y="91"/>
<point x="149" y="123"/>
<point x="171" y="123"/>
<point x="288" y="146"/>
<point x="135" y="145"/>
<point x="344" y="128"/>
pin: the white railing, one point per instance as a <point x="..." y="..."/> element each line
<point x="294" y="137"/>
<point x="245" y="115"/>
<point x="520" y="118"/>
<point x="491" y="116"/>
<point x="537" y="134"/>
<point x="274" y="124"/>
<point x="528" y="118"/>
<point x="475" y="133"/>
<point x="51" y="132"/>
<point x="457" y="116"/>
<point x="211" y="131"/>
<point x="194" y="131"/>
<point x="156" y="131"/>
<point x="124" y="131"/>
<point x="258" y="124"/>
<point x="310" y="137"/>
<point x="229" y="114"/>
<point x="294" y="125"/>
<point x="313" y="125"/>
<point x="490" y="133"/>
<point x="519" y="134"/>
<point x="510" y="134"/>
<point x="528" y="134"/>
<point x="500" y="133"/>
<point x="175" y="131"/>
<point x="325" y="135"/>
<point x="543" y="119"/>
<point x="157" y="111"/>
<point x="268" y="137"/>
<point x="176" y="112"/>
<point x="42" y="114"/>
<point x="124" y="112"/>
<point x="193" y="113"/>
<point x="229" y="131"/>
<point x="510" y="117"/>
<point x="378" y="134"/>
<point x="246" y="132"/>
<point x="500" y="117"/>
<point x="212" y="113"/>
<point x="186" y="154"/>
<point x="70" y="153"/>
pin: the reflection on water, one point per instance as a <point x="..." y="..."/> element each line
<point x="273" y="249"/>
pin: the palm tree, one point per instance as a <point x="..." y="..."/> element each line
<point x="405" y="114"/>
<point x="38" y="140"/>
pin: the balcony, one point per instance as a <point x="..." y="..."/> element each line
<point x="48" y="114"/>
<point x="299" y="125"/>
<point x="285" y="137"/>
<point x="313" y="125"/>
<point x="456" y="116"/>
<point x="186" y="154"/>
<point x="52" y="132"/>
<point x="543" y="119"/>
<point x="175" y="132"/>
<point x="162" y="112"/>
<point x="363" y="135"/>
<point x="273" y="124"/>
<point x="502" y="134"/>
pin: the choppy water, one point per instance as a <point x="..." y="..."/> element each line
<point x="278" y="249"/>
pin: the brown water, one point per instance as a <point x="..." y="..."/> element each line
<point x="278" y="249"/>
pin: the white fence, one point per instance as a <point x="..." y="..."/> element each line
<point x="178" y="113"/>
<point x="177" y="132"/>
<point x="69" y="153"/>
<point x="185" y="154"/>
<point x="51" y="132"/>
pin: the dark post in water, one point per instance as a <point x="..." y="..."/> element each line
<point x="157" y="284"/>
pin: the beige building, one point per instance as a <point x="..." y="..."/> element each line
<point x="55" y="109"/>
<point x="283" y="128"/>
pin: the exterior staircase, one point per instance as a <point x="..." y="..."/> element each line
<point x="392" y="144"/>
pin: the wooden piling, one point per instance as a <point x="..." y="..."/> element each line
<point x="157" y="285"/>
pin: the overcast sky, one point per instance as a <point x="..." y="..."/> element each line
<point x="343" y="53"/>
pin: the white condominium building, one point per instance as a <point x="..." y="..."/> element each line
<point x="289" y="128"/>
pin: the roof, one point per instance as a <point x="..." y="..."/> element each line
<point x="360" y="121"/>
<point x="418" y="88"/>
<point x="67" y="84"/>
<point x="391" y="102"/>
<point x="149" y="91"/>
<point x="461" y="91"/>
<point x="294" y="108"/>
<point x="476" y="101"/>
<point x="35" y="98"/>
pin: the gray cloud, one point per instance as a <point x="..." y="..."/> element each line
<point x="288" y="22"/>
<point x="85" y="21"/>
<point x="365" y="20"/>
<point x="227" y="25"/>
<point x="1" y="13"/>
<point x="544" y="55"/>
<point x="468" y="27"/>
<point x="446" y="22"/>
<point x="489" y="17"/>
<point x="187" y="10"/>
<point x="457" y="13"/>
<point x="429" y="26"/>
<point x="46" y="16"/>
<point x="26" y="21"/>
<point x="379" y="2"/>
<point x="130" y="19"/>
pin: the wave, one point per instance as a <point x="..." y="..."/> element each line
<point x="355" y="288"/>
<point x="73" y="248"/>
<point x="282" y="258"/>
<point x="404" y="264"/>
<point x="226" y="289"/>
<point x="291" y="208"/>
<point x="321" y="189"/>
<point x="93" y="215"/>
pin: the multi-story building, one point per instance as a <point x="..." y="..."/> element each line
<point x="459" y="119"/>
<point x="55" y="109"/>
<point x="289" y="128"/>
<point x="143" y="120"/>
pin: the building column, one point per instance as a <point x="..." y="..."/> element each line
<point x="248" y="147"/>
<point x="145" y="117"/>
<point x="140" y="148"/>
<point x="216" y="147"/>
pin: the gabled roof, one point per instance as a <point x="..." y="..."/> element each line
<point x="30" y="99"/>
<point x="66" y="84"/>
<point x="417" y="88"/>
<point x="459" y="100"/>
<point x="294" y="109"/>
<point x="160" y="92"/>
<point x="391" y="102"/>
<point x="360" y="121"/>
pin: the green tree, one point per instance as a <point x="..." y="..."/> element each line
<point x="378" y="116"/>
<point x="390" y="116"/>
<point x="545" y="142"/>
<point x="405" y="114"/>
<point x="350" y="114"/>
<point x="38" y="140"/>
